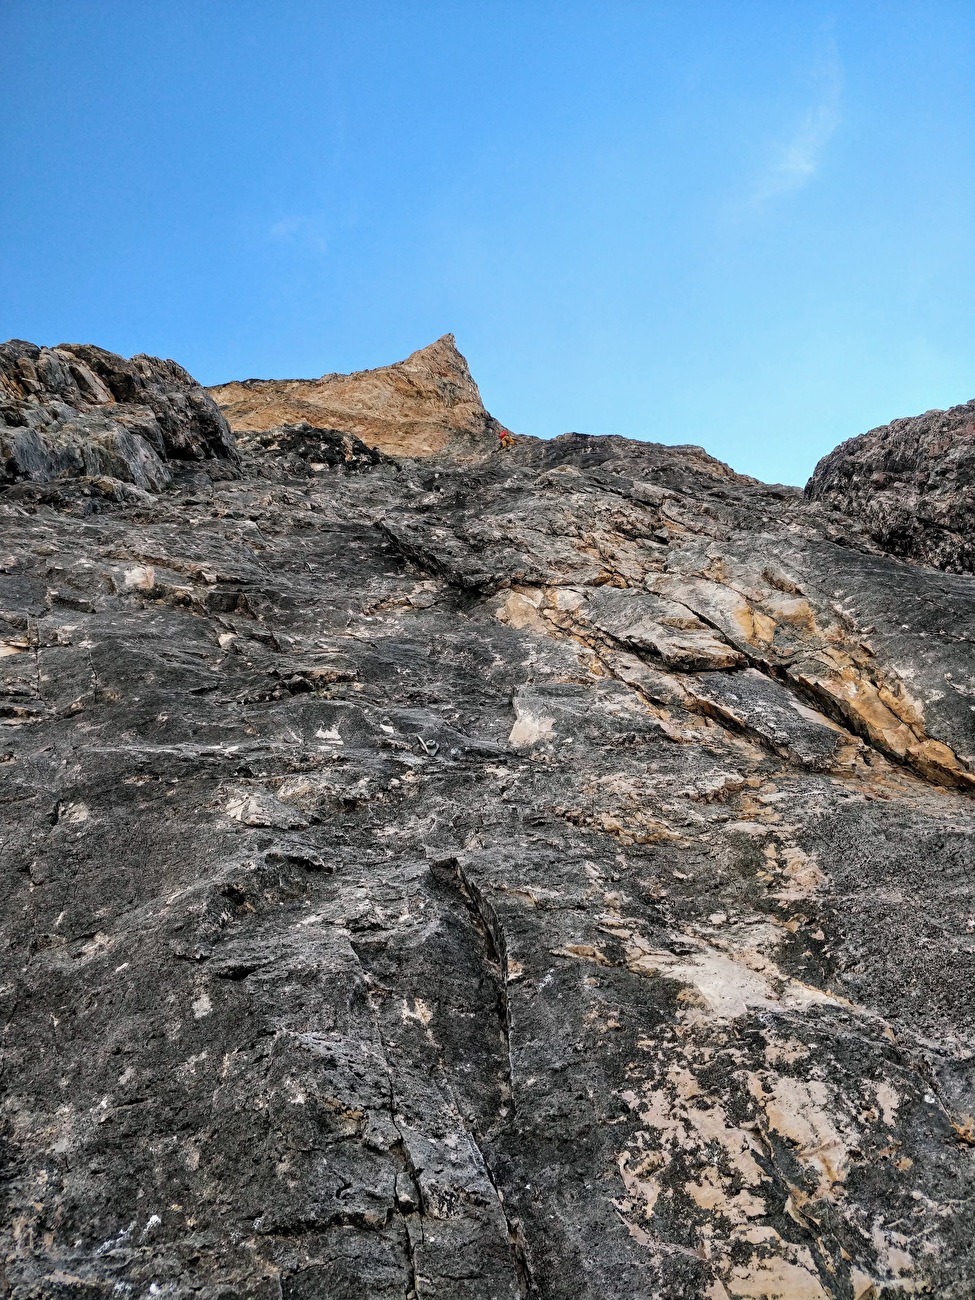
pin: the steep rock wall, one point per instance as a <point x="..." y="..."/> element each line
<point x="544" y="877"/>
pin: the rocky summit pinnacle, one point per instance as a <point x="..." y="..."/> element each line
<point x="426" y="405"/>
<point x="443" y="871"/>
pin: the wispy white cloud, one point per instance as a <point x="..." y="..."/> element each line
<point x="301" y="230"/>
<point x="796" y="161"/>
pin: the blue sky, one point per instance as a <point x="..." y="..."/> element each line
<point x="742" y="224"/>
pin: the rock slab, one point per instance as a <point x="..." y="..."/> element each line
<point x="548" y="876"/>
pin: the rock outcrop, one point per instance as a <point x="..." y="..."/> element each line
<point x="426" y="405"/>
<point x="912" y="483"/>
<point x="545" y="877"/>
<point x="77" y="411"/>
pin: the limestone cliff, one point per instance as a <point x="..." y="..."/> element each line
<point x="424" y="405"/>
<point x="548" y="876"/>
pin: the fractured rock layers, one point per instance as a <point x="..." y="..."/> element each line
<point x="546" y="876"/>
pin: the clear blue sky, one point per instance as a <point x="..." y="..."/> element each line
<point x="745" y="224"/>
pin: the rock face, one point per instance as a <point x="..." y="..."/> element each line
<point x="424" y="405"/>
<point x="912" y="483"/>
<point x="549" y="877"/>
<point x="78" y="411"/>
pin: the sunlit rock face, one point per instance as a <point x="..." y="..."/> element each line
<point x="545" y="875"/>
<point x="428" y="404"/>
<point x="912" y="484"/>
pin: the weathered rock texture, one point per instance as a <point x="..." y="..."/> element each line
<point x="427" y="404"/>
<point x="549" y="877"/>
<point x="912" y="483"/>
<point x="79" y="411"/>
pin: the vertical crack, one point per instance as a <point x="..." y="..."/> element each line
<point x="485" y="926"/>
<point x="516" y="1238"/>
<point x="402" y="1152"/>
<point x="495" y="953"/>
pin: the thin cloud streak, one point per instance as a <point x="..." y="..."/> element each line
<point x="303" y="231"/>
<point x="798" y="160"/>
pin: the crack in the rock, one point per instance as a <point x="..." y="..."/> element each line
<point x="492" y="939"/>
<point x="828" y="703"/>
<point x="823" y="700"/>
<point x="495" y="951"/>
<point x="516" y="1239"/>
<point x="402" y="1152"/>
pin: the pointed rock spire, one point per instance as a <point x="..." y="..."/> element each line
<point x="425" y="405"/>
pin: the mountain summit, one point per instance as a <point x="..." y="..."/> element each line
<point x="426" y="405"/>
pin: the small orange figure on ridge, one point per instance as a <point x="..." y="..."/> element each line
<point x="505" y="437"/>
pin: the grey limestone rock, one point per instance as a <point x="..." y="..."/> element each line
<point x="542" y="878"/>
<point x="78" y="411"/>
<point x="912" y="483"/>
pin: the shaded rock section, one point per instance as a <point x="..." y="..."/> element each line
<point x="77" y="411"/>
<point x="424" y="406"/>
<point x="297" y="450"/>
<point x="911" y="484"/>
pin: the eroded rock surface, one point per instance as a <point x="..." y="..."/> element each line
<point x="77" y="411"/>
<point x="912" y="483"/>
<point x="428" y="404"/>
<point x="548" y="877"/>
